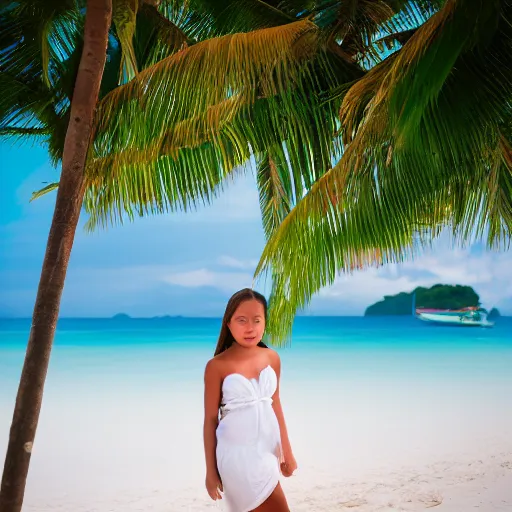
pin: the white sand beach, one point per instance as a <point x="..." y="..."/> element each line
<point x="400" y="446"/>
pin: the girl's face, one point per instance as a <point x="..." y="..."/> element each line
<point x="248" y="323"/>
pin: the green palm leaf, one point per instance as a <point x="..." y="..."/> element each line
<point x="124" y="15"/>
<point x="275" y="187"/>
<point x="218" y="128"/>
<point x="44" y="191"/>
<point x="373" y="124"/>
<point x="406" y="174"/>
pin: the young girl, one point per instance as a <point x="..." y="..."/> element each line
<point x="249" y="445"/>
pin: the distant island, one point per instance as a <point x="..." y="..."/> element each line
<point x="442" y="296"/>
<point x="121" y="316"/>
<point x="493" y="314"/>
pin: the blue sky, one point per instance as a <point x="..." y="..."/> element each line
<point x="189" y="264"/>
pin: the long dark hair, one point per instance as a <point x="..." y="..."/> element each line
<point x="225" y="337"/>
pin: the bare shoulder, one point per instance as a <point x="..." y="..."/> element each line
<point x="213" y="367"/>
<point x="275" y="360"/>
<point x="217" y="364"/>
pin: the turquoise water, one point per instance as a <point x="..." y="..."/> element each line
<point x="123" y="400"/>
<point x="322" y="348"/>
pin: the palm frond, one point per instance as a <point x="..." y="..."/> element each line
<point x="395" y="189"/>
<point x="137" y="137"/>
<point x="35" y="38"/>
<point x="264" y="60"/>
<point x="390" y="42"/>
<point x="124" y="16"/>
<point x="156" y="37"/>
<point x="206" y="19"/>
<point x="275" y="187"/>
<point x="45" y="190"/>
<point x="497" y="200"/>
<point x="166" y="186"/>
<point x="191" y="160"/>
<point x="188" y="17"/>
<point x="29" y="101"/>
<point x="231" y="16"/>
<point x="22" y="104"/>
<point x="419" y="73"/>
<point x="353" y="26"/>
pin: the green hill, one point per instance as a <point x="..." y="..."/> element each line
<point x="442" y="296"/>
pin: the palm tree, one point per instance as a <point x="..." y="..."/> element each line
<point x="355" y="113"/>
<point x="53" y="69"/>
<point x="52" y="61"/>
<point x="379" y="124"/>
<point x="35" y="73"/>
<point x="427" y="136"/>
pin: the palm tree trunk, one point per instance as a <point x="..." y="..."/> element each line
<point x="60" y="241"/>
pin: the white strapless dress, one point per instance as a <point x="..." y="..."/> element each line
<point x="248" y="440"/>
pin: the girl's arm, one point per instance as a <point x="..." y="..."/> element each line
<point x="212" y="396"/>
<point x="289" y="464"/>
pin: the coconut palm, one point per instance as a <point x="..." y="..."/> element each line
<point x="31" y="34"/>
<point x="52" y="62"/>
<point x="53" y="69"/>
<point x="392" y="124"/>
<point x="353" y="111"/>
<point x="427" y="146"/>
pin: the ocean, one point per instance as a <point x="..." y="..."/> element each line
<point x="122" y="407"/>
<point x="322" y="348"/>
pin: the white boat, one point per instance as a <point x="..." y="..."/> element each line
<point x="465" y="317"/>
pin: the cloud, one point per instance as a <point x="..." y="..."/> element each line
<point x="138" y="290"/>
<point x="229" y="261"/>
<point x="195" y="260"/>
<point x="143" y="278"/>
<point x="489" y="273"/>
<point x="226" y="281"/>
<point x="369" y="283"/>
<point x="237" y="201"/>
